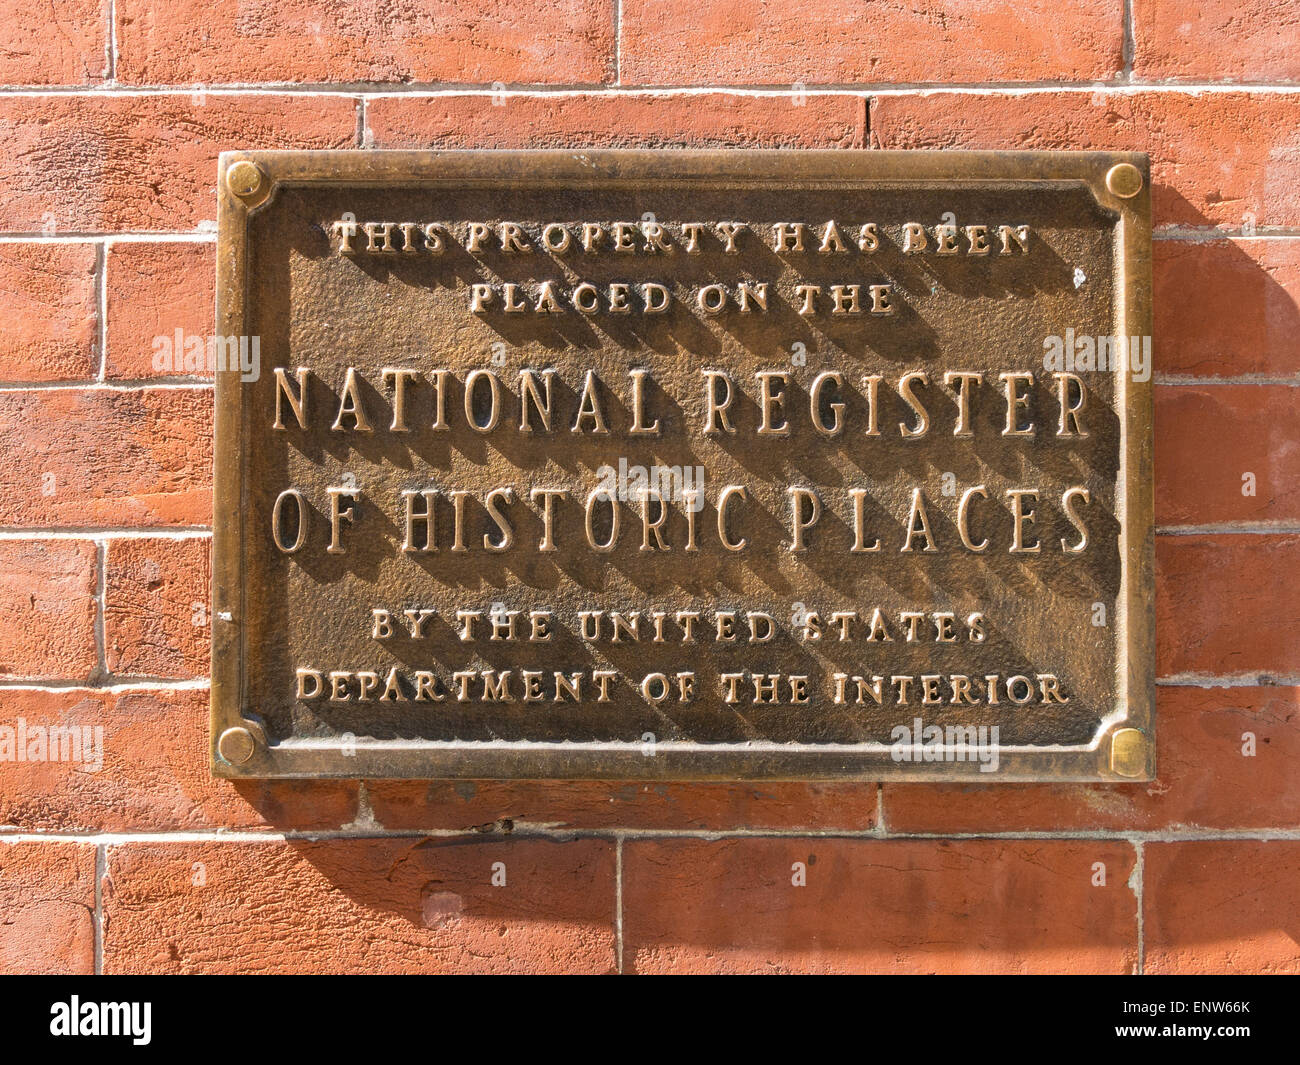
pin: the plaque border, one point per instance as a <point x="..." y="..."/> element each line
<point x="1123" y="749"/>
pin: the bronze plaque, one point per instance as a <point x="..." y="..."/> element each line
<point x="684" y="464"/>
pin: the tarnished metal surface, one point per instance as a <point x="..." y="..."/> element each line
<point x="854" y="494"/>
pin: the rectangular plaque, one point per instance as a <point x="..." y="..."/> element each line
<point x="684" y="465"/>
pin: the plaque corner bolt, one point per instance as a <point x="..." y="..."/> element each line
<point x="1128" y="753"/>
<point x="236" y="745"/>
<point x="1124" y="180"/>
<point x="245" y="179"/>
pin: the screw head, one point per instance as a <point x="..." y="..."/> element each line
<point x="245" y="179"/>
<point x="236" y="745"/>
<point x="1128" y="752"/>
<point x="1124" y="180"/>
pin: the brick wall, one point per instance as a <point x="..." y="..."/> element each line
<point x="112" y="115"/>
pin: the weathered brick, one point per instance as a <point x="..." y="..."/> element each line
<point x="1216" y="40"/>
<point x="1209" y="438"/>
<point x="824" y="42"/>
<point x="100" y="456"/>
<point x="156" y="607"/>
<point x="1223" y="607"/>
<point x="445" y="804"/>
<point x="876" y="906"/>
<point x="153" y="774"/>
<point x="47" y="608"/>
<point x="270" y="41"/>
<point x="51" y="319"/>
<point x="1205" y="778"/>
<point x="364" y="905"/>
<point x="62" y="42"/>
<point x="105" y="163"/>
<point x="1221" y="906"/>
<point x="154" y="289"/>
<point x="576" y="121"/>
<point x="1218" y="158"/>
<point x="1227" y="307"/>
<point x="47" y="896"/>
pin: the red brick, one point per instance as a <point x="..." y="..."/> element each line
<point x="1218" y="158"/>
<point x="875" y="906"/>
<point x="154" y="290"/>
<point x="62" y="42"/>
<point x="51" y="318"/>
<point x="1222" y="906"/>
<point x="47" y="896"/>
<point x="1204" y="778"/>
<point x="1225" y="605"/>
<point x="825" y="42"/>
<point x="1227" y="307"/>
<point x="443" y="804"/>
<point x="154" y="774"/>
<point x="47" y="603"/>
<point x="156" y="607"/>
<point x="1208" y="438"/>
<point x="645" y="121"/>
<point x="248" y="41"/>
<point x="133" y="457"/>
<point x="368" y="905"/>
<point x="1216" y="40"/>
<point x="105" y="163"/>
